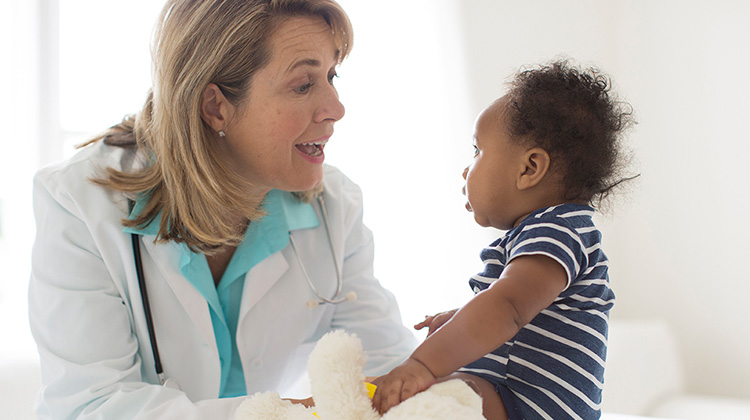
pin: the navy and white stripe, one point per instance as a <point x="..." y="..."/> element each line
<point x="554" y="366"/>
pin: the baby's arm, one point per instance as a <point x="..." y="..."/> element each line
<point x="527" y="286"/>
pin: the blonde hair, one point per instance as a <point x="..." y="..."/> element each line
<point x="197" y="42"/>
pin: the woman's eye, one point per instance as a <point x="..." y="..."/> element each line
<point x="304" y="88"/>
<point x="332" y="76"/>
<point x="476" y="150"/>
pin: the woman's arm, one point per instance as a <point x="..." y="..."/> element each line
<point x="91" y="367"/>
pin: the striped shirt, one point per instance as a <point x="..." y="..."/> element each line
<point x="554" y="366"/>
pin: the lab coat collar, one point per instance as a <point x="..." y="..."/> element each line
<point x="270" y="234"/>
<point x="266" y="271"/>
<point x="264" y="276"/>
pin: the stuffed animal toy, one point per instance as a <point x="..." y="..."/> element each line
<point x="340" y="393"/>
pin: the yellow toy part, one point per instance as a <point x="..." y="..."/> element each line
<point x="370" y="389"/>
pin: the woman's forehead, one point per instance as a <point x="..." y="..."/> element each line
<point x="299" y="36"/>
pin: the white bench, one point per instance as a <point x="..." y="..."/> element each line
<point x="644" y="377"/>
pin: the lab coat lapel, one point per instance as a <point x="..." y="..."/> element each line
<point x="167" y="258"/>
<point x="260" y="279"/>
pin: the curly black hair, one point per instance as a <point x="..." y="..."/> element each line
<point x="572" y="114"/>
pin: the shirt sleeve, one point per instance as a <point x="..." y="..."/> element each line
<point x="553" y="238"/>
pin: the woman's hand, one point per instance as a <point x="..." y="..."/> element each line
<point x="435" y="321"/>
<point x="307" y="402"/>
<point x="401" y="383"/>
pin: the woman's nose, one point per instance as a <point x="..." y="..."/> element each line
<point x="330" y="107"/>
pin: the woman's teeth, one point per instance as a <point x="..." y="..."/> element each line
<point x="312" y="149"/>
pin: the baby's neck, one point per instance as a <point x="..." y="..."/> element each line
<point x="542" y="200"/>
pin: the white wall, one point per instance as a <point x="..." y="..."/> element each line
<point x="678" y="241"/>
<point x="405" y="139"/>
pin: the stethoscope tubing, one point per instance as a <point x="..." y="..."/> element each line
<point x="135" y="239"/>
<point x="335" y="299"/>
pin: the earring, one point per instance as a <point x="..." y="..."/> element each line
<point x="222" y="133"/>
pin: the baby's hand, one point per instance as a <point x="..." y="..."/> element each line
<point x="401" y="383"/>
<point x="435" y="321"/>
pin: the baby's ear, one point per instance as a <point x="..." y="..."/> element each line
<point x="535" y="165"/>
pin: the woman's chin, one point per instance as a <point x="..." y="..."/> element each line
<point x="308" y="184"/>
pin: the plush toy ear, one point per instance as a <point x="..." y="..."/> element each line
<point x="534" y="166"/>
<point x="336" y="378"/>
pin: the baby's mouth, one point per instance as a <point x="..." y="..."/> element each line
<point x="311" y="149"/>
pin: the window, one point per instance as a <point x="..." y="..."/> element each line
<point x="104" y="64"/>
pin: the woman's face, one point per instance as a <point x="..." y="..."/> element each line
<point x="276" y="139"/>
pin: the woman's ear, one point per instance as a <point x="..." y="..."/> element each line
<point x="536" y="163"/>
<point x="216" y="110"/>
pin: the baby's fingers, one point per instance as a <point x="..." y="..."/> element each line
<point x="440" y="319"/>
<point x="376" y="399"/>
<point x="426" y="323"/>
<point x="387" y="397"/>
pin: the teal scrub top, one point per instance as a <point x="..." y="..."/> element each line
<point x="264" y="237"/>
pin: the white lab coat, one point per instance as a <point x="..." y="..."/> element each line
<point x="88" y="321"/>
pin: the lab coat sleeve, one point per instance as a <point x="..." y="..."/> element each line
<point x="374" y="317"/>
<point x="81" y="321"/>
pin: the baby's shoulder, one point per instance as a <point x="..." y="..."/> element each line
<point x="568" y="225"/>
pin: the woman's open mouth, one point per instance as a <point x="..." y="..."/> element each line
<point x="313" y="149"/>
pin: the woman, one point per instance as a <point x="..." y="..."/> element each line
<point x="216" y="182"/>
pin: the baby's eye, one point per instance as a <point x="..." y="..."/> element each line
<point x="476" y="150"/>
<point x="304" y="88"/>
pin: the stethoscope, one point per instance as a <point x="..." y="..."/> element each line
<point x="312" y="303"/>
<point x="335" y="299"/>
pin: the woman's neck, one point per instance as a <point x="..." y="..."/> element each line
<point x="219" y="261"/>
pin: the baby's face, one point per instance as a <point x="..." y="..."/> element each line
<point x="491" y="189"/>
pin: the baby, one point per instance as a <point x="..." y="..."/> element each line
<point x="533" y="340"/>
